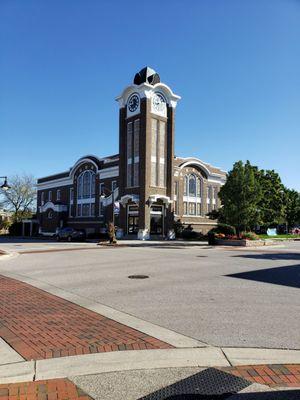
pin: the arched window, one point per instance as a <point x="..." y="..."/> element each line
<point x="86" y="185"/>
<point x="192" y="195"/>
<point x="192" y="185"/>
<point x="186" y="184"/>
<point x="86" y="188"/>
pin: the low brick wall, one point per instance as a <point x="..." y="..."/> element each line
<point x="243" y="242"/>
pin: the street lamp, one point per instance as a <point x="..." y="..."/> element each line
<point x="5" y="185"/>
<point x="102" y="196"/>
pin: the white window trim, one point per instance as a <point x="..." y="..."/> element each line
<point x="193" y="199"/>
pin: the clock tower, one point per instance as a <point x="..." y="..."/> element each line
<point x="146" y="170"/>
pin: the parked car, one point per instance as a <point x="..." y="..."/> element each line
<point x="70" y="234"/>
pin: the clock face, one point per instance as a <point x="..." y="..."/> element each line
<point x="133" y="102"/>
<point x="158" y="103"/>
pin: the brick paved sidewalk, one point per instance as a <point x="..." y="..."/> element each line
<point x="278" y="375"/>
<point x="54" y="389"/>
<point x="40" y="325"/>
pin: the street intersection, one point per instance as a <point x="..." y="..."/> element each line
<point x="70" y="315"/>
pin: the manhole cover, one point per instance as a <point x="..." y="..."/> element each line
<point x="138" y="276"/>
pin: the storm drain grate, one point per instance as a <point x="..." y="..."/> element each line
<point x="138" y="276"/>
<point x="206" y="385"/>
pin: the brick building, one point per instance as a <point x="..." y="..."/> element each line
<point x="151" y="186"/>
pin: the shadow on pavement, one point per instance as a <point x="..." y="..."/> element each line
<point x="208" y="384"/>
<point x="214" y="384"/>
<point x="271" y="256"/>
<point x="278" y="395"/>
<point x="285" y="276"/>
<point x="166" y="244"/>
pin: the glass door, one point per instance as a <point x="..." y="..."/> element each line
<point x="133" y="224"/>
<point x="156" y="220"/>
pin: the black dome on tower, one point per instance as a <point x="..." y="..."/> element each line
<point x="146" y="75"/>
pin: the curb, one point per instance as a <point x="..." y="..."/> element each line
<point x="98" y="363"/>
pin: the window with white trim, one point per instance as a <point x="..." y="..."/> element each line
<point x="209" y="198"/>
<point x="192" y="192"/>
<point x="58" y="195"/>
<point x="50" y="195"/>
<point x="71" y="194"/>
<point x="42" y="198"/>
<point x="176" y="197"/>
<point x="133" y="153"/>
<point x="71" y="202"/>
<point x="86" y="189"/>
<point x="158" y="153"/>
<point x="101" y="192"/>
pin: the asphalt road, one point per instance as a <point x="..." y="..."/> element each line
<point x="219" y="296"/>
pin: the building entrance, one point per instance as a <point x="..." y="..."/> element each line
<point x="133" y="220"/>
<point x="156" y="220"/>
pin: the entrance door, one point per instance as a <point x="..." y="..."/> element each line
<point x="156" y="225"/>
<point x="156" y="220"/>
<point x="133" y="224"/>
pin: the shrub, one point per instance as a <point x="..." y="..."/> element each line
<point x="249" y="236"/>
<point x="224" y="229"/>
<point x="188" y="233"/>
<point x="178" y="228"/>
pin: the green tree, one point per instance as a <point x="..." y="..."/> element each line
<point x="240" y="197"/>
<point x="273" y="198"/>
<point x="292" y="209"/>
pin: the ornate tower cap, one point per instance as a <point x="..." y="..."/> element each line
<point x="146" y="75"/>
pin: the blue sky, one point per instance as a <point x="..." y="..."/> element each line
<point x="236" y="64"/>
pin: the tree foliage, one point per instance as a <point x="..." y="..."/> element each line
<point x="21" y="197"/>
<point x="240" y="196"/>
<point x="273" y="200"/>
<point x="292" y="210"/>
<point x="252" y="197"/>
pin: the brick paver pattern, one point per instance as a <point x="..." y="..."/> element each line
<point x="54" y="389"/>
<point x="39" y="325"/>
<point x="275" y="375"/>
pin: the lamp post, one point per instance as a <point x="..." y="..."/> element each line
<point x="102" y="196"/>
<point x="5" y="185"/>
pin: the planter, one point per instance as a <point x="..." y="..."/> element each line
<point x="243" y="242"/>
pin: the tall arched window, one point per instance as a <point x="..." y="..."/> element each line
<point x="192" y="185"/>
<point x="86" y="183"/>
<point x="192" y="195"/>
